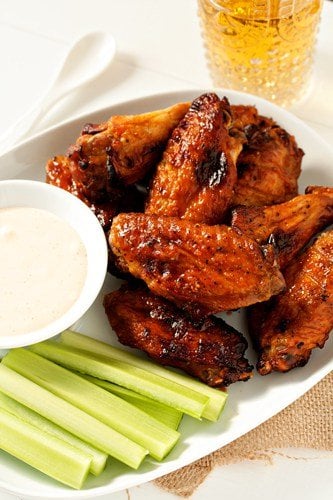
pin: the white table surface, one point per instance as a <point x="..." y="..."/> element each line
<point x="158" y="49"/>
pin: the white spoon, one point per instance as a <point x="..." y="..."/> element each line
<point x="86" y="59"/>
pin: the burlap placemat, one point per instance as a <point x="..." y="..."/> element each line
<point x="307" y="423"/>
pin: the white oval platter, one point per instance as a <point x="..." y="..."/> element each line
<point x="249" y="404"/>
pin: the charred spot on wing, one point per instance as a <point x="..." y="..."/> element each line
<point x="153" y="267"/>
<point x="83" y="164"/>
<point x="74" y="152"/>
<point x="113" y="178"/>
<point x="202" y="100"/>
<point x="242" y="168"/>
<point x="226" y="112"/>
<point x="212" y="171"/>
<point x="226" y="102"/>
<point x="260" y="139"/>
<point x="250" y="130"/>
<point x="282" y="325"/>
<point x="92" y="129"/>
<point x="111" y="171"/>
<point x="280" y="240"/>
<point x="269" y="252"/>
<point x="153" y="149"/>
<point x="195" y="106"/>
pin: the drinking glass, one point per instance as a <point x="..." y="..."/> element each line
<point x="264" y="47"/>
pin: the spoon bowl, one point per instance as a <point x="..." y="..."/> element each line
<point x="87" y="58"/>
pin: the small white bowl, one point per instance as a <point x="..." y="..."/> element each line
<point x="26" y="193"/>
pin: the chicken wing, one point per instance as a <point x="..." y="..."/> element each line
<point x="268" y="166"/>
<point x="289" y="225"/>
<point x="197" y="174"/>
<point x="119" y="199"/>
<point x="246" y="117"/>
<point x="207" y="348"/>
<point x="289" y="326"/>
<point x="58" y="174"/>
<point x="195" y="265"/>
<point x="124" y="148"/>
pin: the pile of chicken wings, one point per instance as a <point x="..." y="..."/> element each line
<point x="200" y="206"/>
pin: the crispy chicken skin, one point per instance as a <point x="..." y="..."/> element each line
<point x="195" y="265"/>
<point x="289" y="225"/>
<point x="319" y="190"/>
<point x="123" y="148"/>
<point x="289" y="326"/>
<point x="197" y="174"/>
<point x="268" y="166"/>
<point x="58" y="173"/>
<point x="245" y="117"/>
<point x="207" y="348"/>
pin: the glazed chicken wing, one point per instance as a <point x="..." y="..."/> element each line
<point x="245" y="117"/>
<point x="268" y="166"/>
<point x="289" y="225"/>
<point x="207" y="348"/>
<point x="289" y="326"/>
<point x="245" y="120"/>
<point x="124" y="148"/>
<point x="197" y="174"/>
<point x="195" y="265"/>
<point x="58" y="173"/>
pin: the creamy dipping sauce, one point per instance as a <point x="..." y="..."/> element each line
<point x="43" y="267"/>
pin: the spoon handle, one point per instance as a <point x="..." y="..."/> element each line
<point x="86" y="59"/>
<point x="27" y="124"/>
<point x="21" y="128"/>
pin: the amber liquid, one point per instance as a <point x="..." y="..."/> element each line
<point x="261" y="47"/>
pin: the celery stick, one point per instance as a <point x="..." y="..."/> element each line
<point x="125" y="418"/>
<point x="124" y="374"/>
<point x="98" y="458"/>
<point x="217" y="398"/>
<point x="169" y="416"/>
<point x="44" y="452"/>
<point x="69" y="417"/>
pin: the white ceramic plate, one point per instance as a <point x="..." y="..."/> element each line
<point x="249" y="403"/>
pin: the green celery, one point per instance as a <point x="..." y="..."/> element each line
<point x="124" y="374"/>
<point x="217" y="398"/>
<point x="69" y="417"/>
<point x="166" y="414"/>
<point x="98" y="458"/>
<point x="125" y="418"/>
<point x="44" y="452"/>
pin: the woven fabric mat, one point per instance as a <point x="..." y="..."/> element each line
<point x="307" y="423"/>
